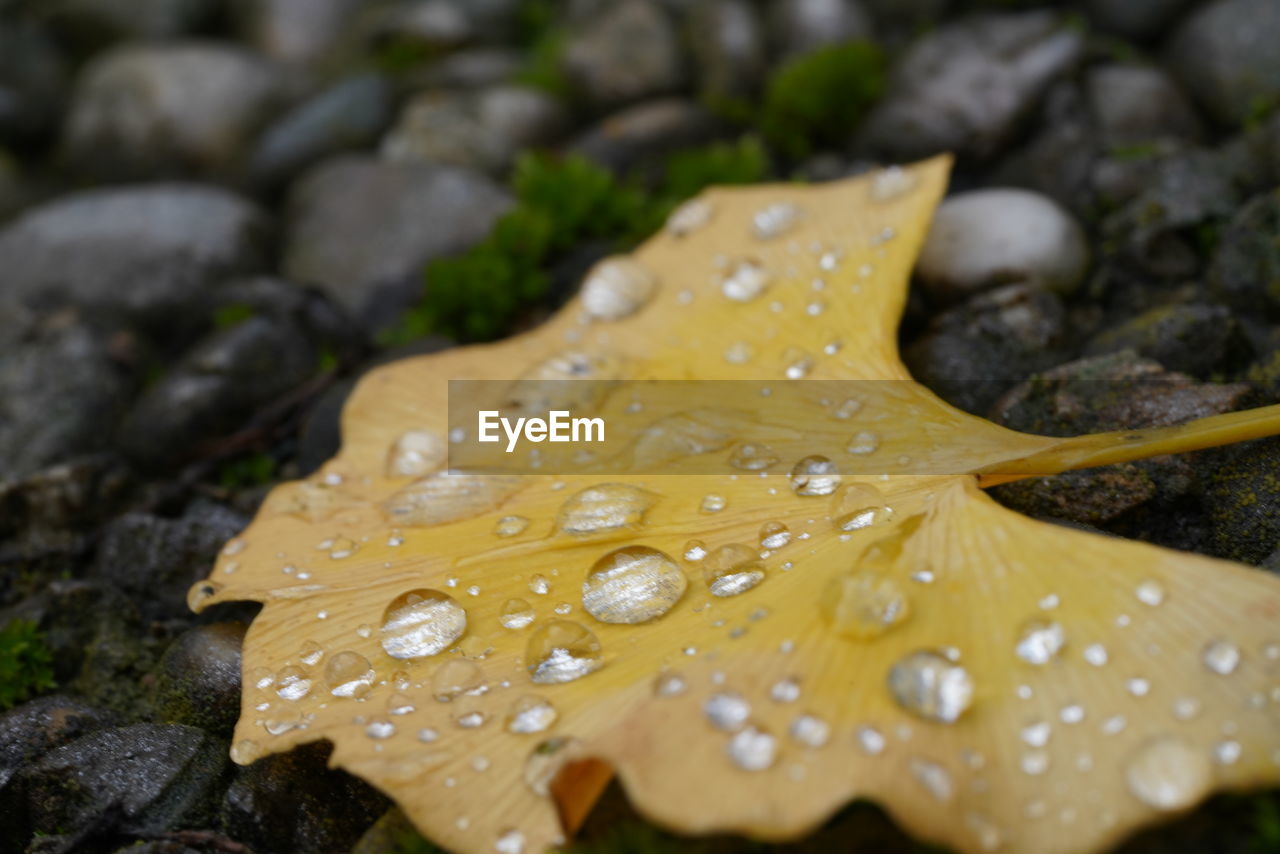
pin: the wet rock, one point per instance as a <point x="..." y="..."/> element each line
<point x="801" y="26"/>
<point x="92" y="24"/>
<point x="974" y="352"/>
<point x="426" y="28"/>
<point x="32" y="82"/>
<point x="139" y="779"/>
<point x="1227" y="55"/>
<point x="1061" y="159"/>
<point x="1087" y="497"/>
<point x="169" y="109"/>
<point x="1245" y="269"/>
<point x="61" y="395"/>
<point x="1197" y="339"/>
<point x="295" y="31"/>
<point x="1242" y="497"/>
<point x="629" y="50"/>
<point x="350" y="114"/>
<point x="728" y="47"/>
<point x="198" y="678"/>
<point x="135" y="253"/>
<point x="646" y="133"/>
<point x="484" y="130"/>
<point x="363" y="229"/>
<point x="33" y="729"/>
<point x="155" y="560"/>
<point x="293" y="804"/>
<point x="216" y="387"/>
<point x="1135" y="18"/>
<point x="320" y="437"/>
<point x="967" y="87"/>
<point x="1136" y="104"/>
<point x="985" y="238"/>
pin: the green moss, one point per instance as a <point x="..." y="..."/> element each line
<point x="26" y="665"/>
<point x="816" y="100"/>
<point x="232" y="315"/>
<point x="247" y="472"/>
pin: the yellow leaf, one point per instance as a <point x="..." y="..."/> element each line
<point x="996" y="683"/>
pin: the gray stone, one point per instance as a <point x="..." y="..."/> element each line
<point x="1245" y="269"/>
<point x="214" y="389"/>
<point x="144" y="778"/>
<point x="155" y="561"/>
<point x="431" y="27"/>
<point x="358" y="223"/>
<point x="198" y="678"/>
<point x="1090" y="497"/>
<point x="646" y="133"/>
<point x="985" y="238"/>
<point x="296" y="31"/>
<point x="973" y="353"/>
<point x="728" y="46"/>
<point x="1135" y="18"/>
<point x="350" y="114"/>
<point x="1228" y="55"/>
<point x="32" y="82"/>
<point x="1242" y="497"/>
<point x="474" y="68"/>
<point x="138" y="253"/>
<point x="294" y="804"/>
<point x="1134" y="104"/>
<point x="1197" y="339"/>
<point x="60" y="395"/>
<point x="483" y="130"/>
<point x="169" y="109"/>
<point x="93" y="23"/>
<point x="801" y="26"/>
<point x="967" y="87"/>
<point x="1061" y="159"/>
<point x="33" y="729"/>
<point x="626" y="52"/>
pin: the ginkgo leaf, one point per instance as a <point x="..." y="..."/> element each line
<point x="752" y="648"/>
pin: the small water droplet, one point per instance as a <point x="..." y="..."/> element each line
<point x="539" y="585"/>
<point x="510" y="526"/>
<point x="695" y="550"/>
<point x="810" y="730"/>
<point x="752" y="456"/>
<point x="745" y="281"/>
<point x="420" y="623"/>
<point x="712" y="503"/>
<point x="871" y="740"/>
<point x="1096" y="654"/>
<point x="604" y="507"/>
<point x="530" y="714"/>
<point x="669" y="684"/>
<point x="1226" y="752"/>
<point x="1150" y="592"/>
<point x="380" y="729"/>
<point x="471" y="720"/>
<point x="633" y="584"/>
<point x="516" y="614"/>
<point x="1221" y="657"/>
<point x="689" y="217"/>
<point x="814" y="475"/>
<point x="348" y="674"/>
<point x="752" y="749"/>
<point x="774" y="220"/>
<point x="774" y="535"/>
<point x="926" y="683"/>
<point x="732" y="569"/>
<point x="1037" y="734"/>
<point x="456" y="677"/>
<point x="292" y="683"/>
<point x="857" y="506"/>
<point x="796" y="364"/>
<point x="1167" y="774"/>
<point x="890" y="183"/>
<point x="847" y="408"/>
<point x="727" y="711"/>
<point x="414" y="454"/>
<point x="935" y="779"/>
<point x="1186" y="708"/>
<point x="1039" y="641"/>
<point x="617" y="287"/>
<point x="863" y="442"/>
<point x="562" y="651"/>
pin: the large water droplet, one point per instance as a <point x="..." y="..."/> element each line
<point x="1221" y="657"/>
<point x="447" y="497"/>
<point x="774" y="535"/>
<point x="617" y="287"/>
<point x="516" y="614"/>
<point x="752" y="749"/>
<point x="348" y="674"/>
<point x="774" y="220"/>
<point x="604" y="507"/>
<point x="752" y="456"/>
<point x="732" y="569"/>
<point x="421" y="623"/>
<point x="292" y="683"/>
<point x="815" y="475"/>
<point x="530" y="714"/>
<point x="1167" y="774"/>
<point x="926" y="683"/>
<point x="414" y="454"/>
<point x="1039" y="641"/>
<point x="727" y="711"/>
<point x="689" y="217"/>
<point x="561" y="651"/>
<point x="745" y="280"/>
<point x="633" y="584"/>
<point x="857" y="506"/>
<point x="863" y="605"/>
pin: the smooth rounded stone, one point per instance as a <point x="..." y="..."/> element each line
<point x="427" y="26"/>
<point x="1227" y="54"/>
<point x="349" y="114"/>
<point x="61" y="395"/>
<point x="47" y="518"/>
<point x="213" y="389"/>
<point x="295" y="31"/>
<point x="1134" y="104"/>
<point x="90" y="24"/>
<point x="359" y="224"/>
<point x="483" y="130"/>
<point x="800" y="26"/>
<point x="646" y="133"/>
<point x="974" y="352"/>
<point x="198" y="678"/>
<point x="727" y="42"/>
<point x="155" y="561"/>
<point x="133" y="253"/>
<point x="143" y="110"/>
<point x="968" y="86"/>
<point x="33" y="78"/>
<point x="985" y="238"/>
<point x="1197" y="339"/>
<point x="1242" y="498"/>
<point x="293" y="803"/>
<point x="1245" y="270"/>
<point x="140" y="779"/>
<point x="627" y="51"/>
<point x="31" y="730"/>
<point x="474" y="68"/>
<point x="1135" y="18"/>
